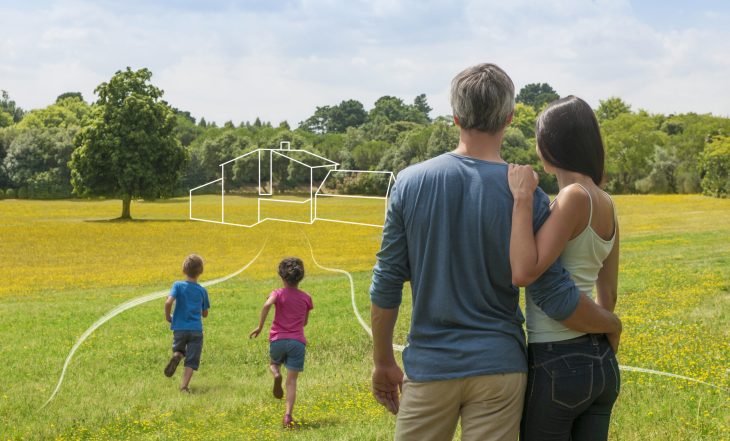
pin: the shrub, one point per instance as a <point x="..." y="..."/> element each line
<point x="715" y="165"/>
<point x="10" y="193"/>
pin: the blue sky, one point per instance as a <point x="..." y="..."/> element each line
<point x="236" y="60"/>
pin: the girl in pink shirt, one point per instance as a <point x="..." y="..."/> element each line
<point x="287" y="344"/>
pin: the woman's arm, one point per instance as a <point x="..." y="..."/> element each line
<point x="607" y="282"/>
<point x="607" y="288"/>
<point x="530" y="254"/>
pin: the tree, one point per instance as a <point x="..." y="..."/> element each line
<point x="421" y="105"/>
<point x="350" y="113"/>
<point x="630" y="139"/>
<point x="392" y="109"/>
<point x="524" y="119"/>
<point x="66" y="113"/>
<point x="335" y="119"/>
<point x="662" y="177"/>
<point x="7" y="135"/>
<point x="37" y="160"/>
<point x="319" y="122"/>
<point x="129" y="148"/>
<point x="537" y="95"/>
<point x="66" y="95"/>
<point x="444" y="138"/>
<point x="6" y="119"/>
<point x="715" y="163"/>
<point x="611" y="108"/>
<point x="8" y="106"/>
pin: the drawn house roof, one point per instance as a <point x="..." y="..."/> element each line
<point x="265" y="159"/>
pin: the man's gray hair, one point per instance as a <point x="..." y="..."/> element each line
<point x="482" y="98"/>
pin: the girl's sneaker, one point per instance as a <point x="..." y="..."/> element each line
<point x="288" y="421"/>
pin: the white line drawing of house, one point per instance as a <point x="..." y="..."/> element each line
<point x="265" y="189"/>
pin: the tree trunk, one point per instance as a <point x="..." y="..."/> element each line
<point x="126" y="202"/>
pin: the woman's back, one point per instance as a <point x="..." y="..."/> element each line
<point x="583" y="258"/>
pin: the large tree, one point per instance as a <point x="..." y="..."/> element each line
<point x="537" y="95"/>
<point x="128" y="149"/>
<point x="335" y="119"/>
<point x="12" y="113"/>
<point x="611" y="108"/>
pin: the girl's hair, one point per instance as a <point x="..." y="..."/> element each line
<point x="193" y="266"/>
<point x="291" y="270"/>
<point x="568" y="137"/>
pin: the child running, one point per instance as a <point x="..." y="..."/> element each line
<point x="191" y="305"/>
<point x="286" y="337"/>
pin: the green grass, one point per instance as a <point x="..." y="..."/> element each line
<point x="674" y="299"/>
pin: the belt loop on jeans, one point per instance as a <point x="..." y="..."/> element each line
<point x="594" y="339"/>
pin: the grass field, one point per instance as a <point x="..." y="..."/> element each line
<point x="67" y="265"/>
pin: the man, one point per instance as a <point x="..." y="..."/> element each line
<point x="447" y="232"/>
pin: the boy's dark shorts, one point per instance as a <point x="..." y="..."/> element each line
<point x="190" y="344"/>
<point x="288" y="352"/>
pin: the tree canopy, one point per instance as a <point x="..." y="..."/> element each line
<point x="130" y="143"/>
<point x="537" y="95"/>
<point x="128" y="148"/>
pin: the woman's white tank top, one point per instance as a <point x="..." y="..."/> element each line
<point x="583" y="258"/>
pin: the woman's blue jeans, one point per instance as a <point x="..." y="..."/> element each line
<point x="571" y="388"/>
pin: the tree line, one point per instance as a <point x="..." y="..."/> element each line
<point x="130" y="143"/>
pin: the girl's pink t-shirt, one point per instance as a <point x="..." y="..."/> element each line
<point x="292" y="306"/>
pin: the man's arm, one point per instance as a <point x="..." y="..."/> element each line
<point x="387" y="376"/>
<point x="386" y="291"/>
<point x="593" y="319"/>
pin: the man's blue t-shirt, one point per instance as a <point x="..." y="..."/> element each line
<point x="447" y="231"/>
<point x="191" y="300"/>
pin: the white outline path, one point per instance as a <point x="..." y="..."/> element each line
<point x="352" y="294"/>
<point x="129" y="305"/>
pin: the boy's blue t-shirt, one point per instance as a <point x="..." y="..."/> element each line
<point x="191" y="300"/>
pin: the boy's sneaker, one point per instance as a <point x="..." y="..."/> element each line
<point x="288" y="422"/>
<point x="278" y="391"/>
<point x="172" y="365"/>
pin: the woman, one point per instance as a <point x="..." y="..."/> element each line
<point x="573" y="378"/>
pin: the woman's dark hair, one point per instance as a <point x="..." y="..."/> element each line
<point x="568" y="137"/>
<point x="291" y="270"/>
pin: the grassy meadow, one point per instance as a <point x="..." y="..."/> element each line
<point x="67" y="265"/>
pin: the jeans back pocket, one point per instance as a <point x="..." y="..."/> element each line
<point x="572" y="386"/>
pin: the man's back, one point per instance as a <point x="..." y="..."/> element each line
<point x="449" y="234"/>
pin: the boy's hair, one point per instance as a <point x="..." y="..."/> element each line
<point x="193" y="266"/>
<point x="291" y="270"/>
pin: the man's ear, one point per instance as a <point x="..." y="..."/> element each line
<point x="509" y="118"/>
<point x="456" y="121"/>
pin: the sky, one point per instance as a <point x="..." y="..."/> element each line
<point x="280" y="59"/>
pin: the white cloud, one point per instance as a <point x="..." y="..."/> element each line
<point x="281" y="61"/>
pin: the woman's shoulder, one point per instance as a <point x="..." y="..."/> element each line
<point x="574" y="196"/>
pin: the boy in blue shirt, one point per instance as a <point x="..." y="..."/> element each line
<point x="191" y="304"/>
